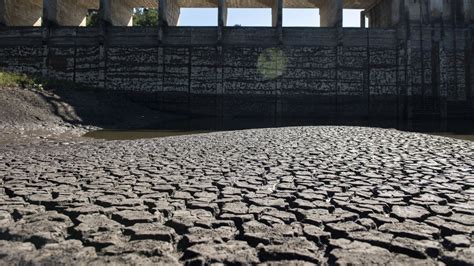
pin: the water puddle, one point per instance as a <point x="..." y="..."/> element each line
<point x="150" y="134"/>
<point x="454" y="136"/>
<point x="463" y="129"/>
<point x="138" y="134"/>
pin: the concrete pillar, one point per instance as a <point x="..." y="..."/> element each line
<point x="362" y="19"/>
<point x="447" y="9"/>
<point x="467" y="10"/>
<point x="436" y="10"/>
<point x="471" y="10"/>
<point x="67" y="12"/>
<point x="413" y="8"/>
<point x="21" y="12"/>
<point x="441" y="10"/>
<point x="331" y="13"/>
<point x="396" y="9"/>
<point x="222" y="13"/>
<point x="277" y="13"/>
<point x="168" y="12"/>
<point x="469" y="7"/>
<point x="454" y="11"/>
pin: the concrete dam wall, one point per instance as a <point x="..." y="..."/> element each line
<point x="239" y="71"/>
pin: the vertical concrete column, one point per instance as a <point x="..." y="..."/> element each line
<point x="396" y="9"/>
<point x="413" y="9"/>
<point x="21" y="13"/>
<point x="331" y="13"/>
<point x="436" y="10"/>
<point x="443" y="10"/>
<point x="221" y="19"/>
<point x="277" y="13"/>
<point x="422" y="10"/>
<point x="67" y="12"/>
<point x="362" y="19"/>
<point x="444" y="7"/>
<point x="3" y="13"/>
<point x="103" y="9"/>
<point x="471" y="11"/>
<point x="467" y="8"/>
<point x="458" y="11"/>
<point x="168" y="13"/>
<point x="222" y="13"/>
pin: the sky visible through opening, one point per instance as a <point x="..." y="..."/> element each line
<point x="262" y="17"/>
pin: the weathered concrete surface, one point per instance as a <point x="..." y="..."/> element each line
<point x="169" y="13"/>
<point x="386" y="13"/>
<point x="290" y="195"/>
<point x="118" y="13"/>
<point x="305" y="72"/>
<point x="331" y="13"/>
<point x="351" y="4"/>
<point x="21" y="13"/>
<point x="68" y="12"/>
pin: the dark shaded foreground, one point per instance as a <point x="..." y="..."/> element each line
<point x="289" y="196"/>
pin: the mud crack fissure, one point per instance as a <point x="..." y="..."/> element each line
<point x="322" y="195"/>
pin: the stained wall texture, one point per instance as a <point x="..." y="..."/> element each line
<point x="305" y="72"/>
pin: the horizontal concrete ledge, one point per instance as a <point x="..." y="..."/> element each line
<point x="191" y="36"/>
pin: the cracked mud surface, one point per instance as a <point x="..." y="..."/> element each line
<point x="290" y="196"/>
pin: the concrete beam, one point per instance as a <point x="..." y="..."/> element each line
<point x="142" y="3"/>
<point x="351" y="4"/>
<point x="331" y="13"/>
<point x="67" y="12"/>
<point x="277" y="13"/>
<point x="21" y="12"/>
<point x="169" y="11"/>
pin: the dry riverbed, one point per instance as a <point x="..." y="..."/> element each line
<point x="289" y="195"/>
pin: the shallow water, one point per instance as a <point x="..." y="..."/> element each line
<point x="149" y="134"/>
<point x="138" y="134"/>
<point x="458" y="129"/>
<point x="454" y="136"/>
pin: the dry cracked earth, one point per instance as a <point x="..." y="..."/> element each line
<point x="290" y="196"/>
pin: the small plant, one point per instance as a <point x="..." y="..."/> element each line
<point x="17" y="80"/>
<point x="145" y="17"/>
<point x="34" y="82"/>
